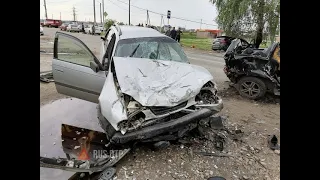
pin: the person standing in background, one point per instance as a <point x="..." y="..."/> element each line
<point x="173" y="33"/>
<point x="82" y="27"/>
<point x="179" y="32"/>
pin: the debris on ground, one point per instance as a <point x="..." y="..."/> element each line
<point x="273" y="142"/>
<point x="46" y="76"/>
<point x="213" y="154"/>
<point x="216" y="178"/>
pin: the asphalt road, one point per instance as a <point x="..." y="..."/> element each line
<point x="83" y="114"/>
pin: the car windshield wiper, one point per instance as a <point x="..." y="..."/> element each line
<point x="134" y="51"/>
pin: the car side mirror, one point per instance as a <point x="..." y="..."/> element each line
<point x="94" y="66"/>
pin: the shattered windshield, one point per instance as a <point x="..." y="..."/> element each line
<point x="161" y="48"/>
<point x="233" y="45"/>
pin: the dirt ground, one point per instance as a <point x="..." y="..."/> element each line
<point x="251" y="157"/>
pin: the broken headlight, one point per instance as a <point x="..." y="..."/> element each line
<point x="208" y="94"/>
<point x="135" y="117"/>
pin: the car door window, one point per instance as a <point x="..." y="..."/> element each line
<point x="72" y="51"/>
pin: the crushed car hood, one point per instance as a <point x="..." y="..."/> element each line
<point x="159" y="83"/>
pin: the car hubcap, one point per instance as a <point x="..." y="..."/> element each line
<point x="250" y="88"/>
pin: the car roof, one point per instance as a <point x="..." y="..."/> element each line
<point x="129" y="32"/>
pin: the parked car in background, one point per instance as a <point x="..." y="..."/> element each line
<point x="41" y="31"/>
<point x="98" y="29"/>
<point x="221" y="43"/>
<point x="64" y="26"/>
<point x="88" y="29"/>
<point x="73" y="28"/>
<point x="52" y="23"/>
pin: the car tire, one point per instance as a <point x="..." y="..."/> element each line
<point x="251" y="87"/>
<point x="105" y="125"/>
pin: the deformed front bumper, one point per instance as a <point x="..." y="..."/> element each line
<point x="163" y="128"/>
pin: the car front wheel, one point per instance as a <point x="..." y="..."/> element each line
<point x="251" y="87"/>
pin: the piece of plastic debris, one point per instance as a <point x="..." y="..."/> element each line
<point x="70" y="164"/>
<point x="273" y="142"/>
<point x="217" y="178"/>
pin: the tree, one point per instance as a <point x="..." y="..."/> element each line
<point x="249" y="18"/>
<point x="109" y="23"/>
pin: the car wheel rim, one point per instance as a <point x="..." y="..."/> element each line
<point x="250" y="88"/>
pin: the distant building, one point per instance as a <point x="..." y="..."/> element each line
<point x="208" y="33"/>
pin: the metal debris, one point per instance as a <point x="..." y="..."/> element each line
<point x="46" y="76"/>
<point x="213" y="154"/>
<point x="216" y="178"/>
<point x="216" y="122"/>
<point x="107" y="174"/>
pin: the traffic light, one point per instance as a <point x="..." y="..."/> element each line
<point x="168" y="14"/>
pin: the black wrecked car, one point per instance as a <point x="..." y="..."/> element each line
<point x="253" y="71"/>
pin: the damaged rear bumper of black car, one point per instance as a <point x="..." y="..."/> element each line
<point x="168" y="127"/>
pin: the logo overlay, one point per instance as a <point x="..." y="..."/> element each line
<point x="83" y="155"/>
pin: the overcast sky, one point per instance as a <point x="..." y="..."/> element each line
<point x="194" y="10"/>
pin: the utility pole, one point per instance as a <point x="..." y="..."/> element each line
<point x="148" y="18"/>
<point x="100" y="14"/>
<point x="74" y="13"/>
<point x="129" y="13"/>
<point x="200" y="23"/>
<point x="52" y="16"/>
<point x="94" y="12"/>
<point x="103" y="11"/>
<point x="161" y="23"/>
<point x="45" y="9"/>
<point x="60" y="16"/>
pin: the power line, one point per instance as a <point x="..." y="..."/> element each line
<point x="125" y="8"/>
<point x="183" y="19"/>
<point x="117" y="5"/>
<point x="58" y="2"/>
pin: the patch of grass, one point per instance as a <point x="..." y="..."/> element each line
<point x="189" y="35"/>
<point x="203" y="43"/>
<point x="189" y="39"/>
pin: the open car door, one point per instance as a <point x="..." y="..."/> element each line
<point x="76" y="70"/>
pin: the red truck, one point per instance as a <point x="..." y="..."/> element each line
<point x="52" y="23"/>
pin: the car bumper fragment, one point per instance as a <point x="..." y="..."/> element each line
<point x="158" y="129"/>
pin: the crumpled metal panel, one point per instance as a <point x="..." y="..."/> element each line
<point x="159" y="83"/>
<point x="111" y="107"/>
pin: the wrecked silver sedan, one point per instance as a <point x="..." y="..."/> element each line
<point x="144" y="85"/>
